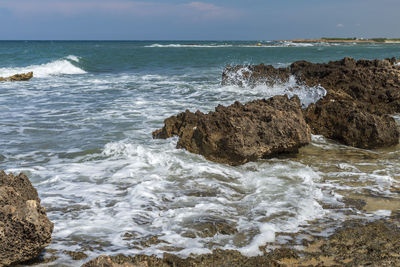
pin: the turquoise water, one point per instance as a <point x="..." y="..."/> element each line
<point x="81" y="130"/>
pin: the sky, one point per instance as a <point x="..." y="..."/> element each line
<point x="197" y="20"/>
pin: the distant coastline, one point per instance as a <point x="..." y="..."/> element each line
<point x="346" y="40"/>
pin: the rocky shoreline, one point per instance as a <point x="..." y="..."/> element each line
<point x="344" y="40"/>
<point x="356" y="111"/>
<point x="355" y="244"/>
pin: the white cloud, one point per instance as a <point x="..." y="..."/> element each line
<point x="340" y="25"/>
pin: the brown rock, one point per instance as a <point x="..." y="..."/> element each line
<point x="18" y="77"/>
<point x="350" y="124"/>
<point x="123" y="261"/>
<point x="358" y="94"/>
<point x="226" y="258"/>
<point x="375" y="83"/>
<point x="240" y="133"/>
<point x="355" y="244"/>
<point x="25" y="229"/>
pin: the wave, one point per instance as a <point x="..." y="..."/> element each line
<point x="153" y="188"/>
<point x="258" y="45"/>
<point x="73" y="58"/>
<point x="62" y="66"/>
<point x="187" y="45"/>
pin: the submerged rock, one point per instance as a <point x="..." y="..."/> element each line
<point x="359" y="93"/>
<point x="240" y="133"/>
<point x="17" y="77"/>
<point x="25" y="229"/>
<point x="355" y="244"/>
<point x="219" y="257"/>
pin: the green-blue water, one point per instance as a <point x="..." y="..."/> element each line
<point x="81" y="130"/>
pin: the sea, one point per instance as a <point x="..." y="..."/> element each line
<point x="80" y="129"/>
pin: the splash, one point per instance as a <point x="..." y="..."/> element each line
<point x="270" y="87"/>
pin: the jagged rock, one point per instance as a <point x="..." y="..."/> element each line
<point x="25" y="229"/>
<point x="18" y="77"/>
<point x="375" y="83"/>
<point x="240" y="133"/>
<point x="350" y="124"/>
<point x="359" y="93"/>
<point x="372" y="83"/>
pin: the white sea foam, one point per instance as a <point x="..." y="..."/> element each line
<point x="187" y="45"/>
<point x="291" y="44"/>
<point x="57" y="67"/>
<point x="73" y="58"/>
<point x="307" y="94"/>
<point x="160" y="190"/>
<point x="256" y="45"/>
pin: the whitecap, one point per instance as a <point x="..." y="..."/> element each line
<point x="73" y="58"/>
<point x="57" y="67"/>
<point x="187" y="46"/>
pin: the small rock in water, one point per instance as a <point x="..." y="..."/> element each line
<point x="25" y="229"/>
<point x="76" y="255"/>
<point x="18" y="77"/>
<point x="241" y="133"/>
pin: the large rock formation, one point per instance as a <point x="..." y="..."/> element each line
<point x="359" y="94"/>
<point x="373" y="83"/>
<point x="241" y="133"/>
<point x="25" y="229"/>
<point x="17" y="77"/>
<point x="350" y="124"/>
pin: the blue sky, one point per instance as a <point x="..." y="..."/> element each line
<point x="197" y="20"/>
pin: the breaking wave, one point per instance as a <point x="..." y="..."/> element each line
<point x="62" y="66"/>
<point x="188" y="45"/>
<point x="259" y="45"/>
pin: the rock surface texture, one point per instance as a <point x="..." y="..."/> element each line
<point x="25" y="229"/>
<point x="350" y="124"/>
<point x="240" y="133"/>
<point x="18" y="77"/>
<point x="355" y="244"/>
<point x="360" y="94"/>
